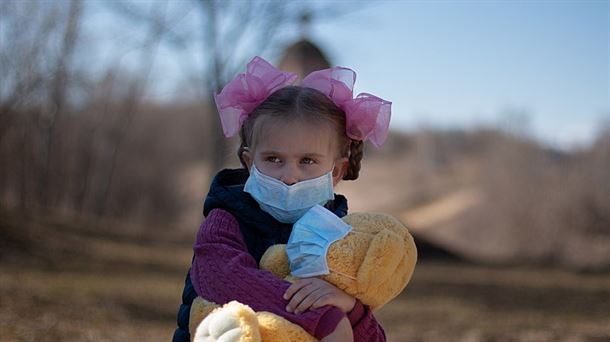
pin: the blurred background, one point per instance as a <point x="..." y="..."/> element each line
<point x="498" y="158"/>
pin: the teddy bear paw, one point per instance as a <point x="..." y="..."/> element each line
<point x="234" y="322"/>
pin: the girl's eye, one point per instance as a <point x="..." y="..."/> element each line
<point x="273" y="159"/>
<point x="308" y="161"/>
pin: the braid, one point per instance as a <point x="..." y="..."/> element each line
<point x="356" y="152"/>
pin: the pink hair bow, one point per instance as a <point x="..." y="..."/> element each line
<point x="366" y="116"/>
<point x="248" y="90"/>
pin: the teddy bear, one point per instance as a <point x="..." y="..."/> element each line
<point x="373" y="263"/>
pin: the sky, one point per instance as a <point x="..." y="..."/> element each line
<point x="461" y="64"/>
<point x="538" y="67"/>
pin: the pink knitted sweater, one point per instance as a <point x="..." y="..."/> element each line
<point x="223" y="271"/>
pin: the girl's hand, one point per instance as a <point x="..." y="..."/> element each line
<point x="308" y="293"/>
<point x="342" y="333"/>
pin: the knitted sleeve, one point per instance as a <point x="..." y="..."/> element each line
<point x="223" y="271"/>
<point x="365" y="326"/>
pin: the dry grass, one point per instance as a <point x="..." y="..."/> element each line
<point x="87" y="283"/>
<point x="116" y="287"/>
<point x="458" y="302"/>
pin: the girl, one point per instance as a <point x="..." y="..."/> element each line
<point x="297" y="143"/>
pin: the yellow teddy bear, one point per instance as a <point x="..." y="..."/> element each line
<point x="373" y="263"/>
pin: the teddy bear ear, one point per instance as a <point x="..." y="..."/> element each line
<point x="389" y="262"/>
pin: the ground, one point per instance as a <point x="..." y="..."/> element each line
<point x="81" y="282"/>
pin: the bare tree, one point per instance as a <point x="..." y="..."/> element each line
<point x="132" y="101"/>
<point x="75" y="152"/>
<point x="37" y="43"/>
<point x="256" y="22"/>
<point x="58" y="95"/>
<point x="230" y="32"/>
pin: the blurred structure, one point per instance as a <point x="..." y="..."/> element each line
<point x="303" y="57"/>
<point x="494" y="197"/>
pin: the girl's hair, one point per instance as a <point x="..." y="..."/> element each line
<point x="307" y="104"/>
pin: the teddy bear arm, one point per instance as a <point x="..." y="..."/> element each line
<point x="237" y="322"/>
<point x="200" y="309"/>
<point x="231" y="322"/>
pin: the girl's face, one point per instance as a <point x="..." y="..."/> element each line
<point x="296" y="151"/>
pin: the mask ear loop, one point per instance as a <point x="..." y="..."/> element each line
<point x="332" y="170"/>
<point x="343" y="274"/>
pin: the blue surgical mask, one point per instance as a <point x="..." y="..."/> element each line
<point x="311" y="236"/>
<point x="287" y="203"/>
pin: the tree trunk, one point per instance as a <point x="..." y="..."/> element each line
<point x="58" y="100"/>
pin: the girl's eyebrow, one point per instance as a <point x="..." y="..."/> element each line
<point x="315" y="155"/>
<point x="270" y="152"/>
<point x="306" y="154"/>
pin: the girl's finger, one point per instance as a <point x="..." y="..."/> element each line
<point x="306" y="303"/>
<point x="296" y="286"/>
<point x="298" y="297"/>
<point x="325" y="299"/>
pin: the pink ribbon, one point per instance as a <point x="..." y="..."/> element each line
<point x="367" y="116"/>
<point x="248" y="90"/>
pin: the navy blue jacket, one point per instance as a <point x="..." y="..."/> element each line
<point x="260" y="230"/>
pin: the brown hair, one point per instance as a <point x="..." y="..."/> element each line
<point x="302" y="103"/>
